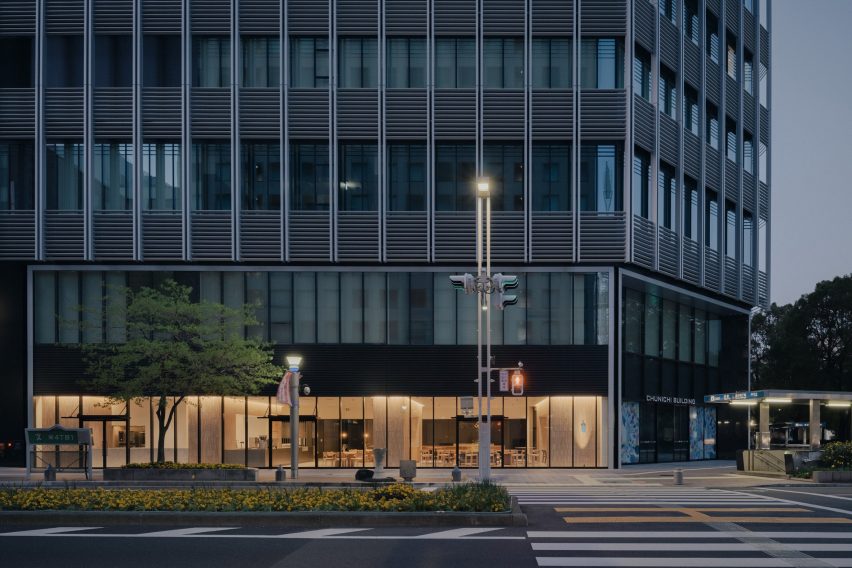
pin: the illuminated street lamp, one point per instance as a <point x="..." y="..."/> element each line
<point x="293" y="362"/>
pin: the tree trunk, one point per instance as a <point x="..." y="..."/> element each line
<point x="161" y="435"/>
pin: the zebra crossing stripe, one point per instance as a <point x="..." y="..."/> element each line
<point x="682" y="562"/>
<point x="685" y="534"/>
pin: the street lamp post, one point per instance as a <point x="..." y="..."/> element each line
<point x="293" y="362"/>
<point x="483" y="201"/>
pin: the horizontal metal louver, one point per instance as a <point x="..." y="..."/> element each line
<point x="454" y="16"/>
<point x="732" y="186"/>
<point x="63" y="16"/>
<point x="161" y="111"/>
<point x="113" y="234"/>
<point x="211" y="112"/>
<point x="309" y="235"/>
<point x="113" y="16"/>
<point x="63" y="234"/>
<point x="507" y="236"/>
<point x="455" y="113"/>
<point x="712" y="84"/>
<point x="406" y="236"/>
<point x="748" y="284"/>
<point x="644" y="233"/>
<point x="357" y="17"/>
<point x="162" y="235"/>
<point x="692" y="155"/>
<point x="307" y="16"/>
<point x="691" y="261"/>
<point x="17" y="113"/>
<point x="406" y="17"/>
<point x="211" y="235"/>
<point x="644" y="24"/>
<point x="552" y="17"/>
<point x="503" y="16"/>
<point x="602" y="236"/>
<point x="503" y="114"/>
<point x="260" y="235"/>
<point x="17" y="17"/>
<point x="762" y="289"/>
<point x="764" y="46"/>
<point x="732" y="97"/>
<point x="17" y="234"/>
<point x="715" y="6"/>
<point x="643" y="123"/>
<point x="358" y="235"/>
<point x="552" y="114"/>
<point x="260" y="16"/>
<point x="161" y="16"/>
<point x="603" y="114"/>
<point x="692" y="63"/>
<point x="764" y="197"/>
<point x="749" y="122"/>
<point x="669" y="244"/>
<point x="357" y="113"/>
<point x="730" y="287"/>
<point x="113" y="110"/>
<point x="711" y="167"/>
<point x="764" y="125"/>
<point x="669" y="43"/>
<point x="603" y="16"/>
<point x="711" y="269"/>
<point x="63" y="112"/>
<point x="307" y="113"/>
<point x="669" y="139"/>
<point x="552" y="237"/>
<point x="260" y="113"/>
<point x="748" y="30"/>
<point x="455" y="236"/>
<point x="210" y="16"/>
<point x="748" y="191"/>
<point x="732" y="13"/>
<point x="405" y="113"/>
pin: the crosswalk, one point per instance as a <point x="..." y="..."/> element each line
<point x="635" y="496"/>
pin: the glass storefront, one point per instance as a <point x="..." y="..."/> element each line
<point x="341" y="432"/>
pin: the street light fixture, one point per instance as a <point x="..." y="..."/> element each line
<point x="483" y="187"/>
<point x="293" y="362"/>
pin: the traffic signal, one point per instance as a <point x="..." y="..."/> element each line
<point x="464" y="282"/>
<point x="501" y="283"/>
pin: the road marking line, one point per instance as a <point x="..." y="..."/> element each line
<point x="457" y="533"/>
<point x="319" y="533"/>
<point x="687" y="534"/>
<point x="55" y="531"/>
<point x="191" y="531"/>
<point x="686" y="546"/>
<point x="694" y="519"/>
<point x="684" y="510"/>
<point x="804" y="504"/>
<point x="808" y="493"/>
<point x="682" y="562"/>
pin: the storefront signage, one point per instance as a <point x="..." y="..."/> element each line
<point x="668" y="399"/>
<point x="58" y="435"/>
<point x="504" y="380"/>
<point x="729" y="396"/>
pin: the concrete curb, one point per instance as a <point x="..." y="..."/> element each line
<point x="513" y="518"/>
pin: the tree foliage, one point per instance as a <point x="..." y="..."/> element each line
<point x="176" y="348"/>
<point x="807" y="344"/>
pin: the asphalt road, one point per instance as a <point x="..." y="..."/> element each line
<point x="570" y="526"/>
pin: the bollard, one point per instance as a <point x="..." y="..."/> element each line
<point x="50" y="473"/>
<point x="280" y="474"/>
<point x="678" y="477"/>
<point x="456" y="473"/>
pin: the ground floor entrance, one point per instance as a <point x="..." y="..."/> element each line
<point x="666" y="432"/>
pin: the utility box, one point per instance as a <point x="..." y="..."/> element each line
<point x="407" y="469"/>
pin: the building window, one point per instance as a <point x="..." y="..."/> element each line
<point x="748" y="239"/>
<point x="748" y="72"/>
<point x="601" y="63"/>
<point x="666" y="196"/>
<point x="161" y="176"/>
<point x="669" y="326"/>
<point x="113" y="176"/>
<point x="551" y="177"/>
<point x="668" y="10"/>
<point x="711" y="219"/>
<point x="455" y="63"/>
<point x="211" y="61"/>
<point x="632" y="321"/>
<point x="748" y="153"/>
<point x="690" y="109"/>
<point x="690" y="21"/>
<point x="261" y="61"/>
<point x="712" y="126"/>
<point x="731" y="140"/>
<point x="551" y="63"/>
<point x="406" y="63"/>
<point x="749" y="5"/>
<point x="407" y="177"/>
<point x="503" y="164"/>
<point x="309" y="62"/>
<point x="16" y="65"/>
<point x="211" y="176"/>
<point x="600" y="177"/>
<point x="63" y="61"/>
<point x="730" y="229"/>
<point x="690" y="208"/>
<point x="504" y="62"/>
<point x="359" y="60"/>
<point x="667" y="93"/>
<point x="64" y="176"/>
<point x="641" y="182"/>
<point x="261" y="176"/>
<point x="17" y="170"/>
<point x="731" y="56"/>
<point x="359" y="177"/>
<point x="713" y="44"/>
<point x="653" y="314"/>
<point x="642" y="73"/>
<point x="309" y="177"/>
<point x="685" y="333"/>
<point x="455" y="170"/>
<point x="158" y="66"/>
<point x="113" y="60"/>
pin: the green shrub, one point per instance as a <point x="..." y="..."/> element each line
<point x="837" y="455"/>
<point x="174" y="465"/>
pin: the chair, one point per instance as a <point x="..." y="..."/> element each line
<point x="331" y="459"/>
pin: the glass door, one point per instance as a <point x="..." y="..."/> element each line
<point x="110" y="440"/>
<point x="665" y="433"/>
<point x="279" y="437"/>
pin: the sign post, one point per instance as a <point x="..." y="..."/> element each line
<point x="60" y="436"/>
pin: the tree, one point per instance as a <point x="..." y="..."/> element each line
<point x="176" y="348"/>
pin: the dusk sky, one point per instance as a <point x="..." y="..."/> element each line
<point x="812" y="144"/>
